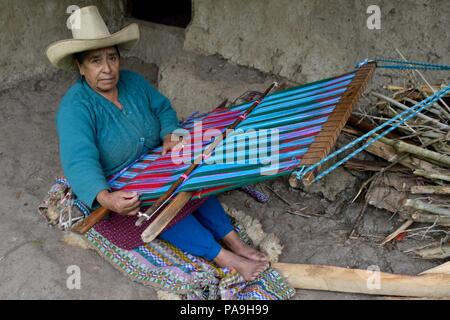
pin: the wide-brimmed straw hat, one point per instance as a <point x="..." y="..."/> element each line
<point x="89" y="32"/>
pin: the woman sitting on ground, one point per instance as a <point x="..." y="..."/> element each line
<point x="108" y="118"/>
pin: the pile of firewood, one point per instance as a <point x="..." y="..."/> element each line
<point x="411" y="167"/>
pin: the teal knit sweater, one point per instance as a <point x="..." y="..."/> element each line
<point x="97" y="139"/>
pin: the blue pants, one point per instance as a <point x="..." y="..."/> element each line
<point x="199" y="232"/>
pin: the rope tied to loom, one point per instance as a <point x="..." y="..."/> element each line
<point x="299" y="173"/>
<point x="400" y="118"/>
<point x="403" y="64"/>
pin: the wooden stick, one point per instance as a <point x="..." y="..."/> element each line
<point x="421" y="247"/>
<point x="432" y="175"/>
<point x="403" y="159"/>
<point x="398" y="160"/>
<point x="164" y="218"/>
<point x="296" y="213"/>
<point x="395" y="88"/>
<point x="430" y="218"/>
<point x="328" y="278"/>
<point x="90" y="221"/>
<point x="423" y="206"/>
<point x="394" y="102"/>
<point x="400" y="230"/>
<point x="401" y="146"/>
<point x="432" y="89"/>
<point x="439" y="112"/>
<point x="406" y="123"/>
<point x="385" y="151"/>
<point x="438" y="252"/>
<point x="443" y="269"/>
<point x="365" y="126"/>
<point x="430" y="190"/>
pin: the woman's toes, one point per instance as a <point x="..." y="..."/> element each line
<point x="256" y="255"/>
<point x="262" y="267"/>
<point x="263" y="257"/>
<point x="257" y="273"/>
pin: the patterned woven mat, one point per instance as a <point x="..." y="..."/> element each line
<point x="163" y="266"/>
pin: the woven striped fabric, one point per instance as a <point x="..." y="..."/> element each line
<point x="298" y="114"/>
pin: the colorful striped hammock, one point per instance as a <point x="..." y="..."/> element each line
<point x="308" y="120"/>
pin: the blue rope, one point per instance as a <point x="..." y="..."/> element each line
<point x="404" y="65"/>
<point x="403" y="117"/>
<point x="414" y="63"/>
<point x="411" y="68"/>
<point x="300" y="173"/>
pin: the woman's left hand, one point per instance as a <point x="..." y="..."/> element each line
<point x="168" y="143"/>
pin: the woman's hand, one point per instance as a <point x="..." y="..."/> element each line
<point x="169" y="143"/>
<point x="121" y="202"/>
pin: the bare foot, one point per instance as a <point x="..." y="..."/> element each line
<point x="235" y="244"/>
<point x="249" y="269"/>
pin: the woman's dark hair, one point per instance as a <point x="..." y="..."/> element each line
<point x="80" y="56"/>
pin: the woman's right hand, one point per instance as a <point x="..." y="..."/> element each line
<point x="121" y="202"/>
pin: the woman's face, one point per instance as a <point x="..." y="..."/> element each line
<point x="100" y="68"/>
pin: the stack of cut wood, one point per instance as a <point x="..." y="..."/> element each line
<point x="412" y="166"/>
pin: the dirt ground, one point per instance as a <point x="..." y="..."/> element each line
<point x="34" y="260"/>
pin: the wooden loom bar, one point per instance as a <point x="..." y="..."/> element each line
<point x="167" y="215"/>
<point x="88" y="222"/>
<point x="335" y="123"/>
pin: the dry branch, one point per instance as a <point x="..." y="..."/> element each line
<point x="388" y="153"/>
<point x="423" y="206"/>
<point x="430" y="218"/>
<point x="328" y="278"/>
<point x="438" y="252"/>
<point x="397" y="232"/>
<point x="401" y="146"/>
<point x="430" y="190"/>
<point x="394" y="102"/>
<point x="432" y="175"/>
